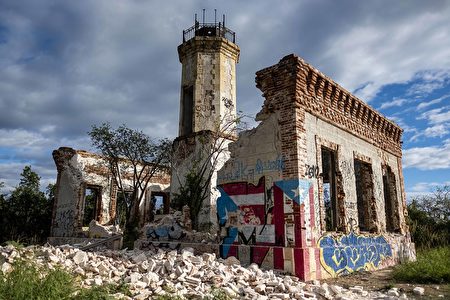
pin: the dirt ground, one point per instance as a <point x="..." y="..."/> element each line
<point x="382" y="281"/>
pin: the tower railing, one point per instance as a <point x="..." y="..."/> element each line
<point x="209" y="29"/>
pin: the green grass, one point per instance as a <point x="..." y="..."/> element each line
<point x="28" y="281"/>
<point x="432" y="266"/>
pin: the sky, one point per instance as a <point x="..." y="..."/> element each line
<point x="68" y="65"/>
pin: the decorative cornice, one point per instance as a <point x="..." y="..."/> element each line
<point x="324" y="98"/>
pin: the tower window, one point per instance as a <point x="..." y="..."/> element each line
<point x="187" y="110"/>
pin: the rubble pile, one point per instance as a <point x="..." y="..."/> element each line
<point x="182" y="273"/>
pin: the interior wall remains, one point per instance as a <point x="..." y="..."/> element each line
<point x="80" y="170"/>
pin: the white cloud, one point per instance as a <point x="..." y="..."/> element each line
<point x="66" y="65"/>
<point x="432" y="102"/>
<point x="429" y="81"/>
<point x="439" y="130"/>
<point x="396" y="102"/>
<point x="428" y="158"/>
<point x="437" y="115"/>
<point x="423" y="189"/>
<point x="391" y="51"/>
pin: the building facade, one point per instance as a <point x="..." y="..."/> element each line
<point x="316" y="189"/>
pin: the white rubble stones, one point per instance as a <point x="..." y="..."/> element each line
<point x="6" y="268"/>
<point x="182" y="273"/>
<point x="97" y="230"/>
<point x="419" y="290"/>
<point x="393" y="292"/>
<point x="80" y="257"/>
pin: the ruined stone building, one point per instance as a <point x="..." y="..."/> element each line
<point x="82" y="174"/>
<point x="316" y="189"/>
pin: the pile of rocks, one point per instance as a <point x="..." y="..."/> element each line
<point x="182" y="273"/>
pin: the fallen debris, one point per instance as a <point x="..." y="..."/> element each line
<point x="181" y="273"/>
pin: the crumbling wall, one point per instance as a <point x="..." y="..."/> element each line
<point x="293" y="178"/>
<point x="79" y="170"/>
<point x="196" y="150"/>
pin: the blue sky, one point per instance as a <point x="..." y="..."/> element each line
<point x="66" y="65"/>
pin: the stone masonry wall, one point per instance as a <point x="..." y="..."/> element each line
<point x="271" y="209"/>
<point x="78" y="170"/>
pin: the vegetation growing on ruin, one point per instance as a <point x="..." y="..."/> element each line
<point x="130" y="154"/>
<point x="195" y="187"/>
<point x="432" y="266"/>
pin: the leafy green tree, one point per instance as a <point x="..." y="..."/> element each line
<point x="26" y="213"/>
<point x="3" y="213"/>
<point x="133" y="158"/>
<point x="429" y="218"/>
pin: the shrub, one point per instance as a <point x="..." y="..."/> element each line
<point x="432" y="266"/>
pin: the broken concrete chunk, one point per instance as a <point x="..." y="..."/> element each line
<point x="419" y="290"/>
<point x="80" y="257"/>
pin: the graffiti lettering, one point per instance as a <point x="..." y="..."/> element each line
<point x="242" y="171"/>
<point x="64" y="223"/>
<point x="349" y="253"/>
<point x="269" y="165"/>
<point x="204" y="108"/>
<point x="312" y="171"/>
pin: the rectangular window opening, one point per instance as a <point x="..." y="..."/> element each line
<point x="329" y="188"/>
<point x="390" y="198"/>
<point x="187" y="110"/>
<point x="92" y="204"/>
<point x="364" y="195"/>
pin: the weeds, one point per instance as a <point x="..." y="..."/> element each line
<point x="29" y="281"/>
<point x="432" y="266"/>
<point x="26" y="282"/>
<point x="219" y="294"/>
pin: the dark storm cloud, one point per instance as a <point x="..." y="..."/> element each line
<point x="66" y="65"/>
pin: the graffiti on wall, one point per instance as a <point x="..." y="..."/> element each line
<point x="311" y="171"/>
<point x="240" y="170"/>
<point x="168" y="229"/>
<point x="243" y="216"/>
<point x="352" y="252"/>
<point x="254" y="219"/>
<point x="64" y="223"/>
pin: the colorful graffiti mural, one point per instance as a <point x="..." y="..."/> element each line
<point x="167" y="229"/>
<point x="352" y="252"/>
<point x="258" y="221"/>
